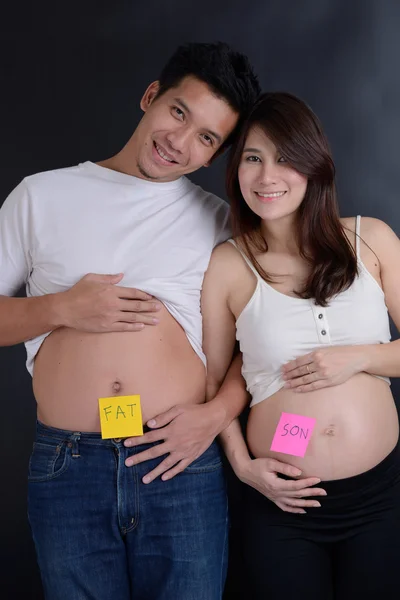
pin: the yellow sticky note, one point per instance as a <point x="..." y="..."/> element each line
<point x="120" y="416"/>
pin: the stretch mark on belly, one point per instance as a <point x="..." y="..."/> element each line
<point x="117" y="386"/>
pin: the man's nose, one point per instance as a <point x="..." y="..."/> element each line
<point x="179" y="139"/>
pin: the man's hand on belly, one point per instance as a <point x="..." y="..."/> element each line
<point x="97" y="305"/>
<point x="186" y="431"/>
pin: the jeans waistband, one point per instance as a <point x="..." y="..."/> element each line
<point x="85" y="437"/>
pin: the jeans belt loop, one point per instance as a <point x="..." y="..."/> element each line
<point x="74" y="444"/>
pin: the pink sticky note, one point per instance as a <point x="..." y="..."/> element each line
<point x="292" y="434"/>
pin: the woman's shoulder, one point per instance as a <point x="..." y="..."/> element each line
<point x="374" y="233"/>
<point x="226" y="251"/>
<point x="369" y="226"/>
<point x="226" y="260"/>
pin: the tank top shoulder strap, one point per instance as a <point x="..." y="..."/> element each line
<point x="358" y="227"/>
<point x="246" y="260"/>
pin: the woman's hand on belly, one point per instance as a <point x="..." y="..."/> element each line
<point x="325" y="367"/>
<point x="288" y="495"/>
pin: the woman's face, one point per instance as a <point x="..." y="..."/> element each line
<point x="270" y="187"/>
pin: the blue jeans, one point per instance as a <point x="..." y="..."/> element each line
<point x="101" y="534"/>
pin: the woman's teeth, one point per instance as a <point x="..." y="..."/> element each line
<point x="271" y="194"/>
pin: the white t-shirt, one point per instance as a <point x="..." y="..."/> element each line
<point x="57" y="226"/>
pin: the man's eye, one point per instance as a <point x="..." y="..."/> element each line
<point x="207" y="139"/>
<point x="179" y="112"/>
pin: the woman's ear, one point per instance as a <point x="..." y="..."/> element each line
<point x="149" y="95"/>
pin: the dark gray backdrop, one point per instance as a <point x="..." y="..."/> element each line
<point x="71" y="79"/>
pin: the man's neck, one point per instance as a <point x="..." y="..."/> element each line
<point x="120" y="164"/>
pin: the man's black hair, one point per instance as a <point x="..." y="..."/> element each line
<point x="228" y="73"/>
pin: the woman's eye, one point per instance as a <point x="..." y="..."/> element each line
<point x="281" y="159"/>
<point x="253" y="159"/>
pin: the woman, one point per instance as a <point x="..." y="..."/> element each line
<point x="306" y="293"/>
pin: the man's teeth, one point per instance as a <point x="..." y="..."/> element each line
<point x="271" y="195"/>
<point x="164" y="156"/>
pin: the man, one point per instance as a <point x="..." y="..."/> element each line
<point x="99" y="531"/>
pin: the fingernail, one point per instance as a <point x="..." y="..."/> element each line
<point x="165" y="477"/>
<point x="286" y="385"/>
<point x="146" y="479"/>
<point x="323" y="493"/>
<point x="128" y="463"/>
<point x="127" y="443"/>
<point x="157" y="306"/>
<point x="151" y="423"/>
<point x="154" y="320"/>
<point x="297" y="472"/>
<point x="317" y="504"/>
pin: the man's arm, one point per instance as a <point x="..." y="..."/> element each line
<point x="95" y="304"/>
<point x="24" y="318"/>
<point x="231" y="398"/>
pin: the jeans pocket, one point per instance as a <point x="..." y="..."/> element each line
<point x="210" y="460"/>
<point x="47" y="461"/>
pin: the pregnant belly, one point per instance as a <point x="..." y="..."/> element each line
<point x="356" y="426"/>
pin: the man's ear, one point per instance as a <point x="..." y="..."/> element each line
<point x="149" y="95"/>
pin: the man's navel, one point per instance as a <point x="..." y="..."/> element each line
<point x="116" y="387"/>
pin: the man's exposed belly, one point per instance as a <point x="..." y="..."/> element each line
<point x="356" y="427"/>
<point x="73" y="369"/>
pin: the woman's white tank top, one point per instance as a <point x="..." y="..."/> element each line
<point x="274" y="328"/>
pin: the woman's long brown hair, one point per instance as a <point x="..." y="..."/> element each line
<point x="298" y="136"/>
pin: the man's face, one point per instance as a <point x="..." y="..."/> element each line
<point x="180" y="131"/>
